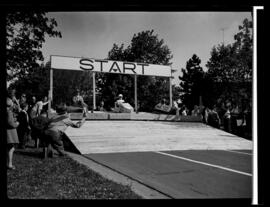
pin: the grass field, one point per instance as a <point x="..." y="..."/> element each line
<point x="59" y="178"/>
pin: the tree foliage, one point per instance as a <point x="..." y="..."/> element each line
<point x="25" y="35"/>
<point x="191" y="85"/>
<point x="36" y="83"/>
<point x="230" y="67"/>
<point x="229" y="73"/>
<point x="145" y="47"/>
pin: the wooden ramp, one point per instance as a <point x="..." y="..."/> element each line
<point x="107" y="136"/>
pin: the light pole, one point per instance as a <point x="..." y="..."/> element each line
<point x="223" y="29"/>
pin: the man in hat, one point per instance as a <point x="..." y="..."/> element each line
<point x="56" y="129"/>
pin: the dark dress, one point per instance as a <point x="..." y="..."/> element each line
<point x="213" y="119"/>
<point x="23" y="128"/>
<point x="38" y="126"/>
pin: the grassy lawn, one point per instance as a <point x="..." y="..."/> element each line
<point x="59" y="178"/>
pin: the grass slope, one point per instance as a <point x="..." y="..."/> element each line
<point x="59" y="178"/>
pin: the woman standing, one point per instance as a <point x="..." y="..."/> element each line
<point x="12" y="137"/>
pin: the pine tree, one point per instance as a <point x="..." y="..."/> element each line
<point x="191" y="82"/>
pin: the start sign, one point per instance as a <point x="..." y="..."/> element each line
<point x="109" y="66"/>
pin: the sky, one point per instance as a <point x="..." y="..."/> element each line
<point x="92" y="34"/>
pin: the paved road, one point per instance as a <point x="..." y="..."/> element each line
<point x="214" y="174"/>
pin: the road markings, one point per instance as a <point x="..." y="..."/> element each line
<point x="238" y="152"/>
<point x="204" y="163"/>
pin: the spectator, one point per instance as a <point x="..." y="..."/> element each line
<point x="38" y="126"/>
<point x="227" y="120"/>
<point x="248" y="121"/>
<point x="205" y="112"/>
<point x="33" y="108"/>
<point x="234" y="116"/>
<point x="79" y="102"/>
<point x="196" y="111"/>
<point x="175" y="109"/>
<point x="16" y="106"/>
<point x="22" y="99"/>
<point x="42" y="105"/>
<point x="12" y="136"/>
<point x="184" y="111"/>
<point x="55" y="132"/>
<point x="213" y="118"/>
<point x="32" y="102"/>
<point x="101" y="107"/>
<point x="24" y="127"/>
<point x="221" y="111"/>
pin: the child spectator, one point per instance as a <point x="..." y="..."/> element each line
<point x="24" y="127"/>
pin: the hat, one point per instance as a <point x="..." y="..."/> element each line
<point x="9" y="102"/>
<point x="120" y="95"/>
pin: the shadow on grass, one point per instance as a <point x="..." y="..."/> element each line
<point x="37" y="153"/>
<point x="32" y="151"/>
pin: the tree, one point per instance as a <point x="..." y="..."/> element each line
<point x="230" y="67"/>
<point x="191" y="84"/>
<point x="145" y="47"/>
<point x="36" y="83"/>
<point x="244" y="50"/>
<point x="25" y="35"/>
<point x="233" y="62"/>
<point x="221" y="66"/>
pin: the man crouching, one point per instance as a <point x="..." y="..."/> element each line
<point x="55" y="132"/>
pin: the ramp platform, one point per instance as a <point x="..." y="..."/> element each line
<point x="100" y="136"/>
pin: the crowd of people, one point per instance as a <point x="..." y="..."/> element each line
<point x="223" y="115"/>
<point x="27" y="119"/>
<point x="226" y="115"/>
<point x="229" y="117"/>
